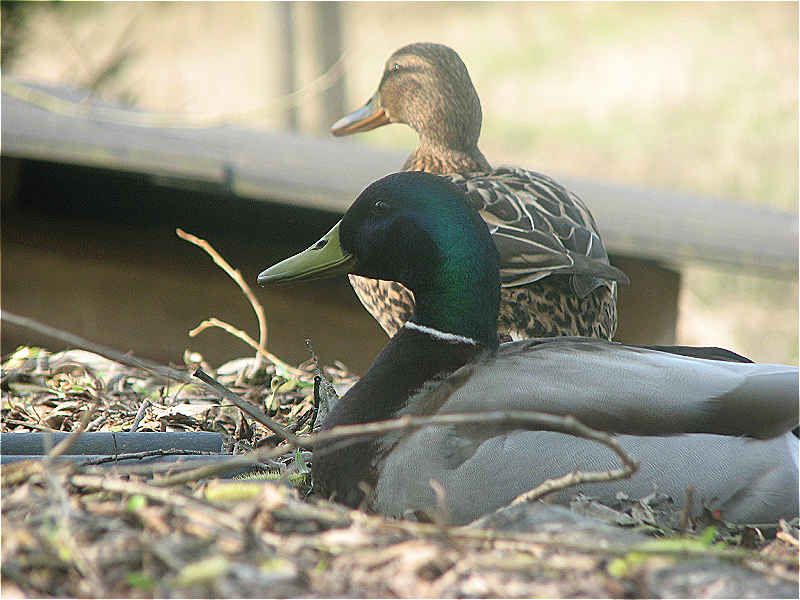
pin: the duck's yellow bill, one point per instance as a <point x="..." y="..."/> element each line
<point x="324" y="259"/>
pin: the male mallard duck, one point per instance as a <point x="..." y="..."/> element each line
<point x="415" y="228"/>
<point x="554" y="271"/>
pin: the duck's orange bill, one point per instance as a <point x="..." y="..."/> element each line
<point x="369" y="116"/>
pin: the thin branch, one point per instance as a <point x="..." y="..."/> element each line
<point x="349" y="433"/>
<point x="31" y="425"/>
<point x="159" y="494"/>
<point x="151" y="367"/>
<point x="210" y="470"/>
<point x="683" y="523"/>
<point x="54" y="104"/>
<point x="68" y="441"/>
<point x="237" y="277"/>
<point x="511" y="419"/>
<point x="160" y="371"/>
<point x="549" y="486"/>
<point x="629" y="466"/>
<point x="214" y="322"/>
<point x="248" y="408"/>
<point x="140" y="414"/>
<point x="145" y="454"/>
<point x="652" y="548"/>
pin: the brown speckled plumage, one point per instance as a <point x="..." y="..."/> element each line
<point x="555" y="274"/>
<point x="547" y="308"/>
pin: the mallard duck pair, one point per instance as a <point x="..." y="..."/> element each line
<point x="690" y="416"/>
<point x="554" y="271"/>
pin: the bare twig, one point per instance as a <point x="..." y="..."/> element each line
<point x="351" y="433"/>
<point x="67" y="442"/>
<point x="248" y="408"/>
<point x="578" y="429"/>
<point x="543" y="421"/>
<point x="325" y="396"/>
<point x="159" y="494"/>
<point x="683" y="526"/>
<point x="55" y="104"/>
<point x="785" y="534"/>
<point x="524" y="419"/>
<point x="140" y="414"/>
<point x="153" y="368"/>
<point x="469" y="532"/>
<point x="237" y="277"/>
<point x="214" y="322"/>
<point x="145" y="454"/>
<point x="31" y="425"/>
<point x="205" y="471"/>
<point x="548" y="486"/>
<point x="510" y="419"/>
<point x="348" y="434"/>
<point x="97" y="422"/>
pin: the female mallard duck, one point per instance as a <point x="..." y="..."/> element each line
<point x="415" y="228"/>
<point x="554" y="271"/>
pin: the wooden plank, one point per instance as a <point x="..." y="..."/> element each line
<point x="677" y="228"/>
<point x="668" y="227"/>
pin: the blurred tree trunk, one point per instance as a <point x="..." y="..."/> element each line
<point x="328" y="49"/>
<point x="281" y="48"/>
<point x="318" y="41"/>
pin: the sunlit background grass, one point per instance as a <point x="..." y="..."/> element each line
<point x="691" y="97"/>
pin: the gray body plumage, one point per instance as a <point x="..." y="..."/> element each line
<point x="652" y="398"/>
<point x="749" y="481"/>
<point x="628" y="389"/>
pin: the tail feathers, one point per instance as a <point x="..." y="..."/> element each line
<point x="589" y="274"/>
<point x="764" y="406"/>
<point x="583" y="285"/>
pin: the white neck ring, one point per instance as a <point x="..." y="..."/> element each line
<point x="442" y="335"/>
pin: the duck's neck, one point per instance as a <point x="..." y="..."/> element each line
<point x="459" y="312"/>
<point x="442" y="159"/>
<point x="412" y="358"/>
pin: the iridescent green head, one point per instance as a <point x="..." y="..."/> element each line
<point x="415" y="228"/>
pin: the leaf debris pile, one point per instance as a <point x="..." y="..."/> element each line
<point x="80" y="531"/>
<point x="42" y="391"/>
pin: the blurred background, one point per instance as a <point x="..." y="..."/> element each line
<point x="690" y="98"/>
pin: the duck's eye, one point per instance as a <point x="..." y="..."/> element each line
<point x="395" y="68"/>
